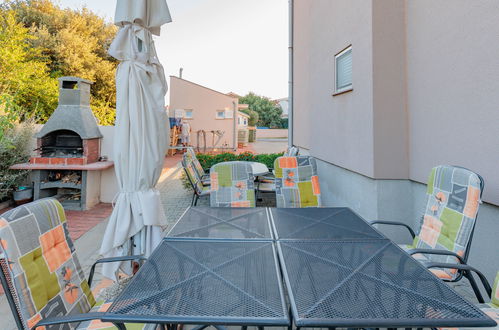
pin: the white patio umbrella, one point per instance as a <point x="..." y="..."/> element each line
<point x="141" y="134"/>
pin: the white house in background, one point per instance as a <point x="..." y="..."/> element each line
<point x="385" y="90"/>
<point x="242" y="120"/>
<point x="284" y="105"/>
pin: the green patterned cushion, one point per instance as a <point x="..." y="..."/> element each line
<point x="453" y="197"/>
<point x="495" y="292"/>
<point x="232" y="185"/>
<point x="192" y="173"/>
<point x="197" y="165"/>
<point x="38" y="258"/>
<point x="296" y="181"/>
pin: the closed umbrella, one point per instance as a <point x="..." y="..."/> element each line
<point x="141" y="134"/>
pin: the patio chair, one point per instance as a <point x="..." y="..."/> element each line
<point x="199" y="190"/>
<point x="39" y="270"/>
<point x="296" y="182"/>
<point x="191" y="156"/>
<point x="266" y="183"/>
<point x="232" y="185"/>
<point x="446" y="228"/>
<point x="491" y="308"/>
<point x="291" y="152"/>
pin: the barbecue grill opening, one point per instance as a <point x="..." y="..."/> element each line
<point x="61" y="143"/>
<point x="68" y="84"/>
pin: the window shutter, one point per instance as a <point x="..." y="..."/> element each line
<point x="229" y="114"/>
<point x="344" y="70"/>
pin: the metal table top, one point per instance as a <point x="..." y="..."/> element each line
<point x="336" y="223"/>
<point x="223" y="223"/>
<point x="368" y="283"/>
<point x="205" y="282"/>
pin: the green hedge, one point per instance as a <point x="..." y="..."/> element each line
<point x="207" y="161"/>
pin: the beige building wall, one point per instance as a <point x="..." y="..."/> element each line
<point x="453" y="87"/>
<point x="337" y="129"/>
<point x="204" y="103"/>
<point x="425" y="86"/>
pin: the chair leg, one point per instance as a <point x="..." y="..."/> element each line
<point x="192" y="200"/>
<point x="474" y="286"/>
<point x="196" y="200"/>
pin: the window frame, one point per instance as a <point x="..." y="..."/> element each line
<point x="348" y="88"/>
<point x="220" y="118"/>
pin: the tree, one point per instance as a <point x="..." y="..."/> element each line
<point x="268" y="112"/>
<point x="71" y="43"/>
<point x="24" y="76"/>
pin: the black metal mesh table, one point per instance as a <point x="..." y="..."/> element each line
<point x="368" y="283"/>
<point x="197" y="281"/>
<point x="226" y="223"/>
<point x="321" y="223"/>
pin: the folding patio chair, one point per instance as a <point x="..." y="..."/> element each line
<point x="191" y="156"/>
<point x="199" y="190"/>
<point x="491" y="308"/>
<point x="232" y="185"/>
<point x="266" y="183"/>
<point x="291" y="151"/>
<point x="39" y="270"/>
<point x="446" y="228"/>
<point x="297" y="182"/>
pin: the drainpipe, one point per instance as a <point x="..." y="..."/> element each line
<point x="234" y="119"/>
<point x="290" y="81"/>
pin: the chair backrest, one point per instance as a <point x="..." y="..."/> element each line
<point x="495" y="292"/>
<point x="232" y="185"/>
<point x="453" y="197"/>
<point x="191" y="154"/>
<point x="296" y="182"/>
<point x="39" y="267"/>
<point x="192" y="174"/>
<point x="291" y="152"/>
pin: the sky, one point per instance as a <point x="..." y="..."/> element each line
<point x="227" y="45"/>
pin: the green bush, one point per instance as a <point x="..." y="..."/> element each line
<point x="14" y="148"/>
<point x="207" y="161"/>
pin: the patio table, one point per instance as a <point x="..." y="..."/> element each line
<point x="259" y="168"/>
<point x="207" y="282"/>
<point x="226" y="223"/>
<point x="341" y="272"/>
<point x="321" y="223"/>
<point x="220" y="266"/>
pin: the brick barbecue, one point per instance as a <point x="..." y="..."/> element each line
<point x="68" y="162"/>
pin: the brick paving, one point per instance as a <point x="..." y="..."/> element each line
<point x="80" y="222"/>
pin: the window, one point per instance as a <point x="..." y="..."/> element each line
<point x="220" y="114"/>
<point x="245" y="121"/>
<point x="343" y="70"/>
<point x="188" y="114"/>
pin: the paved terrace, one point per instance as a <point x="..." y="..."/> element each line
<point x="87" y="227"/>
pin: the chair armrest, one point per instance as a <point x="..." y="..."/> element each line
<point x="394" y="223"/>
<point x="73" y="318"/>
<point x="466" y="267"/>
<point x="112" y="259"/>
<point x="438" y="252"/>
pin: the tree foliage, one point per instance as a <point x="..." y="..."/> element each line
<point x="25" y="82"/>
<point x="268" y="112"/>
<point x="50" y="42"/>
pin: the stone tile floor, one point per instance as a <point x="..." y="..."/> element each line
<point x="175" y="201"/>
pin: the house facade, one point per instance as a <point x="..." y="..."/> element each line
<point x="206" y="110"/>
<point x="384" y="90"/>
